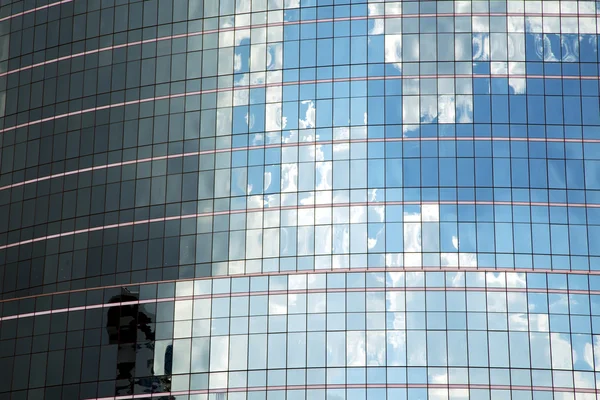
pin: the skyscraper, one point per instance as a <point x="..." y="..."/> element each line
<point x="299" y="199"/>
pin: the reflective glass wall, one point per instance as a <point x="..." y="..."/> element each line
<point x="299" y="199"/>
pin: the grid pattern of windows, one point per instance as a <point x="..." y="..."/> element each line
<point x="249" y="199"/>
<point x="403" y="335"/>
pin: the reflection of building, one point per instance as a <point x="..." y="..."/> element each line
<point x="132" y="330"/>
<point x="299" y="199"/>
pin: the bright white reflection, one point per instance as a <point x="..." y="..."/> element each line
<point x="393" y="50"/>
<point x="378" y="26"/>
<point x="273" y="118"/>
<point x="356" y="349"/>
<point x="443" y="109"/>
<point x="376" y="348"/>
<point x="274" y="56"/>
<point x="421" y="231"/>
<point x="561" y="351"/>
<point x="309" y="115"/>
<point x="275" y="4"/>
<point x="439" y="379"/>
<point x="289" y="177"/>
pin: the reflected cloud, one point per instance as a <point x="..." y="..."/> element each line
<point x="446" y="109"/>
<point x="288" y="173"/>
<point x="393" y="50"/>
<point x="378" y="24"/>
<point x="376" y="349"/>
<point x="274" y="56"/>
<point x="275" y="4"/>
<point x="356" y="349"/>
<point x="518" y="322"/>
<point x="309" y="114"/>
<point x="562" y="352"/>
<point x="481" y="47"/>
<point x="237" y="62"/>
<point x="423" y="228"/>
<point x="274" y="121"/>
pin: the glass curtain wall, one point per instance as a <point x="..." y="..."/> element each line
<point x="299" y="199"/>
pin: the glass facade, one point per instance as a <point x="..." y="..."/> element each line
<point x="299" y="199"/>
